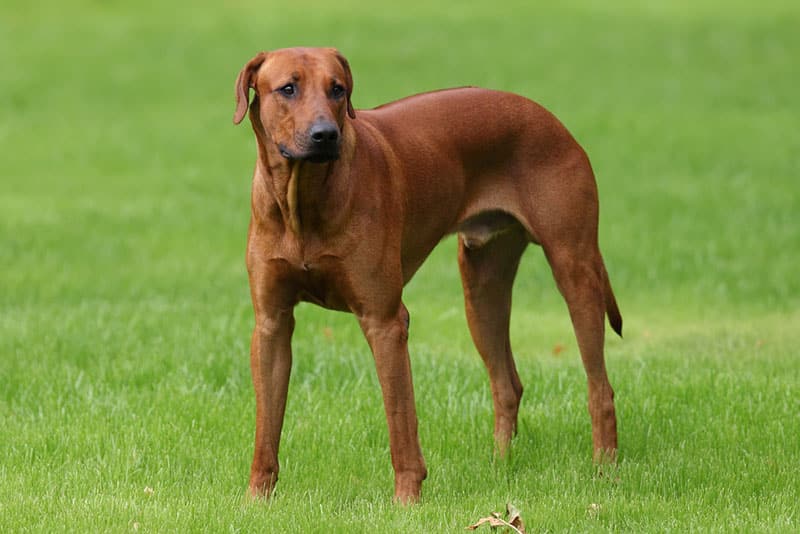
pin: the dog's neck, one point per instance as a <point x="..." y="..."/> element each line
<point x="300" y="189"/>
<point x="311" y="198"/>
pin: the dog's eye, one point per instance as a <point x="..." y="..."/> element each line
<point x="288" y="89"/>
<point x="337" y="91"/>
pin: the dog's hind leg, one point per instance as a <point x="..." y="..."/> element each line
<point x="562" y="214"/>
<point x="488" y="262"/>
<point x="580" y="277"/>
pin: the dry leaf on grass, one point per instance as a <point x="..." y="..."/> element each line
<point x="495" y="520"/>
<point x="515" y="518"/>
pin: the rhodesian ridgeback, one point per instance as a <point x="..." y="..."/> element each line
<point x="347" y="205"/>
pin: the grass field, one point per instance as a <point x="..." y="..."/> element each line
<point x="125" y="395"/>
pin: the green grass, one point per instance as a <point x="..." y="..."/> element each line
<point x="125" y="396"/>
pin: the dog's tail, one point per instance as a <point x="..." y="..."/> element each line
<point x="612" y="310"/>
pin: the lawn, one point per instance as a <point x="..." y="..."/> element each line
<point x="125" y="395"/>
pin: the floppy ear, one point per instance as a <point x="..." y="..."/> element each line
<point x="349" y="81"/>
<point x="243" y="84"/>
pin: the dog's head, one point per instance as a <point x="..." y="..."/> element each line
<point x="302" y="99"/>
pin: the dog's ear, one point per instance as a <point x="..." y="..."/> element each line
<point x="243" y="84"/>
<point x="349" y="81"/>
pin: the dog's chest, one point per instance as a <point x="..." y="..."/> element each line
<point x="319" y="279"/>
<point x="320" y="286"/>
<point x="309" y="269"/>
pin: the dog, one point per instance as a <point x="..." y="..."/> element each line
<point x="347" y="205"/>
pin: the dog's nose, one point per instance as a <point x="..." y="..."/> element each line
<point x="324" y="133"/>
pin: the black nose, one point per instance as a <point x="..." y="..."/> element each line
<point x="324" y="133"/>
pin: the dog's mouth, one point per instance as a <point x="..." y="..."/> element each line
<point x="317" y="155"/>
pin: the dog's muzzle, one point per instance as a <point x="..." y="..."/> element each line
<point x="324" y="142"/>
<point x="321" y="144"/>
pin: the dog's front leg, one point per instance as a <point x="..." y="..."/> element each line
<point x="270" y="363"/>
<point x="388" y="339"/>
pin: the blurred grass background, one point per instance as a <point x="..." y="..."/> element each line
<point x="125" y="314"/>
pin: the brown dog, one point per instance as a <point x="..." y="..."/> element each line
<point x="346" y="207"/>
